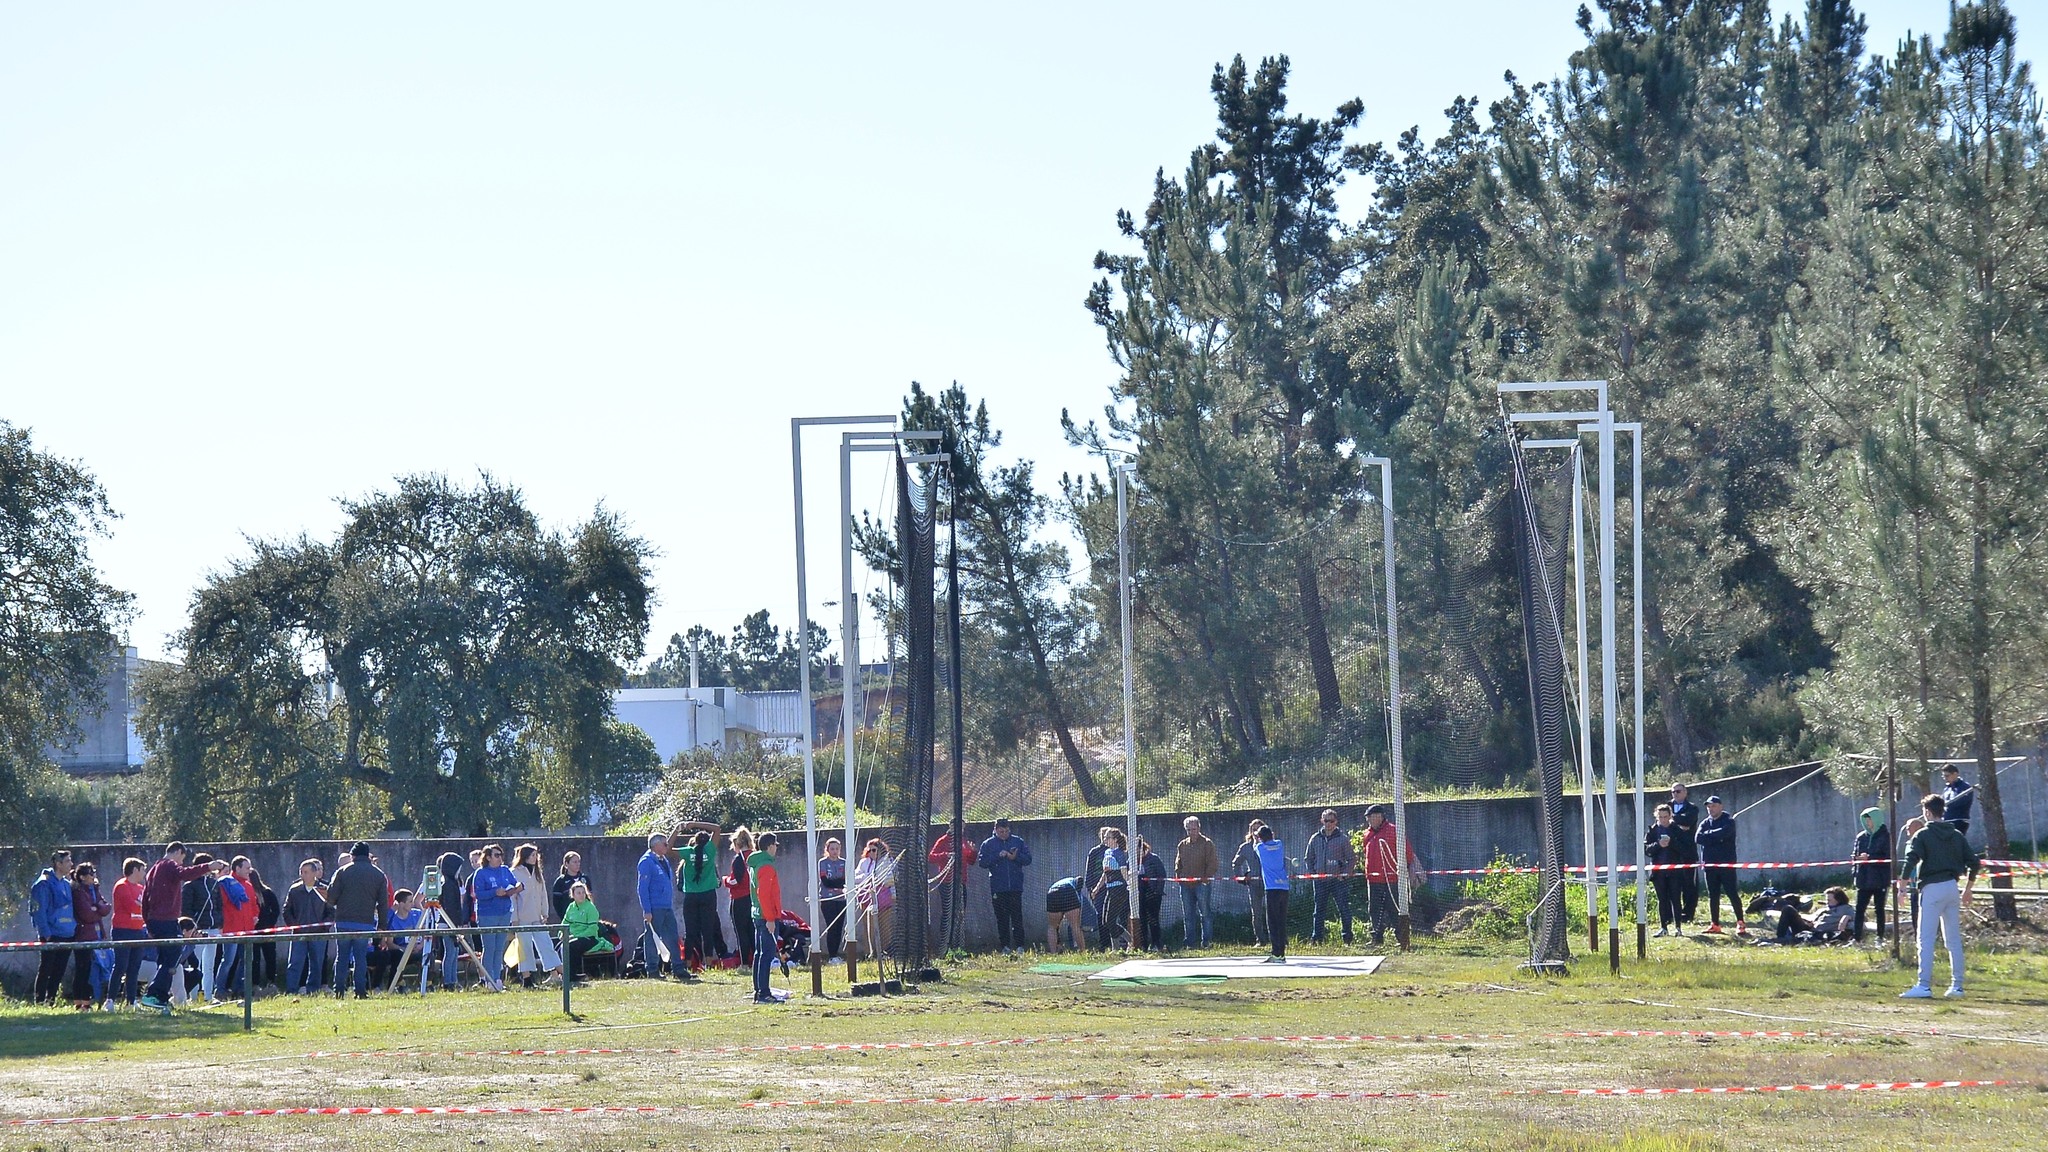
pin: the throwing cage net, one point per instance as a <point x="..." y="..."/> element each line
<point x="1542" y="505"/>
<point x="916" y="537"/>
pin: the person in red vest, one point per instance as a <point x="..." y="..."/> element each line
<point x="1382" y="877"/>
<point x="238" y="910"/>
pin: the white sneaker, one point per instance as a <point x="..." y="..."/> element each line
<point x="1955" y="992"/>
<point x="1917" y="992"/>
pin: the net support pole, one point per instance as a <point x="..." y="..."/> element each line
<point x="1635" y="431"/>
<point x="1585" y="713"/>
<point x="1891" y="793"/>
<point x="850" y="696"/>
<point x="1403" y="923"/>
<point x="1123" y="572"/>
<point x="956" y="888"/>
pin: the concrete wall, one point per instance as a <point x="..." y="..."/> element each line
<point x="1807" y="819"/>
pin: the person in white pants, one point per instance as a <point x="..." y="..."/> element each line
<point x="1937" y="857"/>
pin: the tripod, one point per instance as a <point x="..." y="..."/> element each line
<point x="435" y="917"/>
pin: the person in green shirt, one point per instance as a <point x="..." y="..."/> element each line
<point x="698" y="878"/>
<point x="586" y="931"/>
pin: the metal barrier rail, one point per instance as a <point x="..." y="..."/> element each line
<point x="247" y="956"/>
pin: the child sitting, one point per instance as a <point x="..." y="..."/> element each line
<point x="1837" y="921"/>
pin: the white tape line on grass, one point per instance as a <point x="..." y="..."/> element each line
<point x="937" y="1101"/>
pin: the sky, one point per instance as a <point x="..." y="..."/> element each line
<point x="255" y="259"/>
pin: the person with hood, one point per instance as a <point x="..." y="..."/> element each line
<point x="1937" y="857"/>
<point x="162" y="907"/>
<point x="362" y="903"/>
<point x="91" y="911"/>
<point x="1873" y="856"/>
<point x="458" y="906"/>
<point x="1716" y="839"/>
<point x="56" y="920"/>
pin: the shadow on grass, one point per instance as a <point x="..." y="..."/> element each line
<point x="27" y="1032"/>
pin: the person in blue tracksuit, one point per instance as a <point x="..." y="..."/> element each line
<point x="1006" y="856"/>
<point x="1272" y="856"/>
<point x="50" y="906"/>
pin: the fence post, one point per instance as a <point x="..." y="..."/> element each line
<point x="567" y="979"/>
<point x="248" y="960"/>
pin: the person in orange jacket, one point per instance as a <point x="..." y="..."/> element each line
<point x="1382" y="877"/>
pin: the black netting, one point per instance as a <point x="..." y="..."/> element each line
<point x="917" y="538"/>
<point x="1542" y="506"/>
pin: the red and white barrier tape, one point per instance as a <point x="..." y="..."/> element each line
<point x="927" y="1101"/>
<point x="172" y="941"/>
<point x="1029" y="1041"/>
<point x="2021" y="866"/>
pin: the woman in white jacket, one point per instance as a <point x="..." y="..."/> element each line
<point x="530" y="909"/>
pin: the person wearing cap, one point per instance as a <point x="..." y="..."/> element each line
<point x="361" y="897"/>
<point x="1937" y="857"/>
<point x="1686" y="816"/>
<point x="1006" y="856"/>
<point x="1382" y="874"/>
<point x="1957" y="796"/>
<point x="1873" y="856"/>
<point x="1716" y="840"/>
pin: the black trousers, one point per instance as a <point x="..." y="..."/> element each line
<point x="1009" y="908"/>
<point x="1379" y="907"/>
<point x="50" y="974"/>
<point x="1669" y="900"/>
<point x="580" y="946"/>
<point x="700" y="926"/>
<point x="1688" y="892"/>
<point x="265" y="960"/>
<point x="1721" y="882"/>
<point x="1150" y="937"/>
<point x="833" y="909"/>
<point x="1276" y="919"/>
<point x="1116" y="914"/>
<point x="742" y="913"/>
<point x="1869" y="897"/>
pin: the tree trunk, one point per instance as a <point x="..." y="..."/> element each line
<point x="1983" y="728"/>
<point x="1329" y="699"/>
<point x="1677" y="722"/>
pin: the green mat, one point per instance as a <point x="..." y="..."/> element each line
<point x="1069" y="969"/>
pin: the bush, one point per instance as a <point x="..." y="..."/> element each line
<point x="1507" y="899"/>
<point x="746" y="786"/>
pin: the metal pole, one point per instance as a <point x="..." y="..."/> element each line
<point x="247" y="958"/>
<point x="956" y="898"/>
<point x="850" y="698"/>
<point x="1636" y="687"/>
<point x="1585" y="704"/>
<point x="1395" y="754"/>
<point x="1891" y="792"/>
<point x="1123" y="568"/>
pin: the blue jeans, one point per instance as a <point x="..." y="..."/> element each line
<point x="169" y="956"/>
<point x="1328" y="892"/>
<point x="229" y="982"/>
<point x="764" y="957"/>
<point x="451" y="961"/>
<point x="1196" y="911"/>
<point x="127" y="967"/>
<point x="352" y="955"/>
<point x="302" y="971"/>
<point x="494" y="946"/>
<point x="664" y="926"/>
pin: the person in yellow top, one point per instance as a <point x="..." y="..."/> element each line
<point x="585" y="930"/>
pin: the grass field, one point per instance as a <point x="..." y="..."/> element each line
<point x="1144" y="1039"/>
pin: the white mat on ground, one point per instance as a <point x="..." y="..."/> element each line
<point x="1244" y="968"/>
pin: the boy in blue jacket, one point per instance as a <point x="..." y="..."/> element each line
<point x="1006" y="856"/>
<point x="51" y="909"/>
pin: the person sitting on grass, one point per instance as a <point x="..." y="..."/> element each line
<point x="1790" y="908"/>
<point x="1836" y="922"/>
<point x="585" y="931"/>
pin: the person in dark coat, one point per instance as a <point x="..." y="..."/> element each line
<point x="1873" y="856"/>
<point x="1668" y="844"/>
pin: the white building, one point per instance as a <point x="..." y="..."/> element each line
<point x="685" y="719"/>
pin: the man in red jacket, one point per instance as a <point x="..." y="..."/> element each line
<point x="163" y="901"/>
<point x="238" y="909"/>
<point x="1382" y="877"/>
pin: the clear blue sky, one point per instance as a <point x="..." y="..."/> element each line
<point x="256" y="257"/>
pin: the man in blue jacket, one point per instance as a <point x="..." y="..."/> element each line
<point x="1957" y="797"/>
<point x="56" y="922"/>
<point x="657" y="884"/>
<point x="1006" y="856"/>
